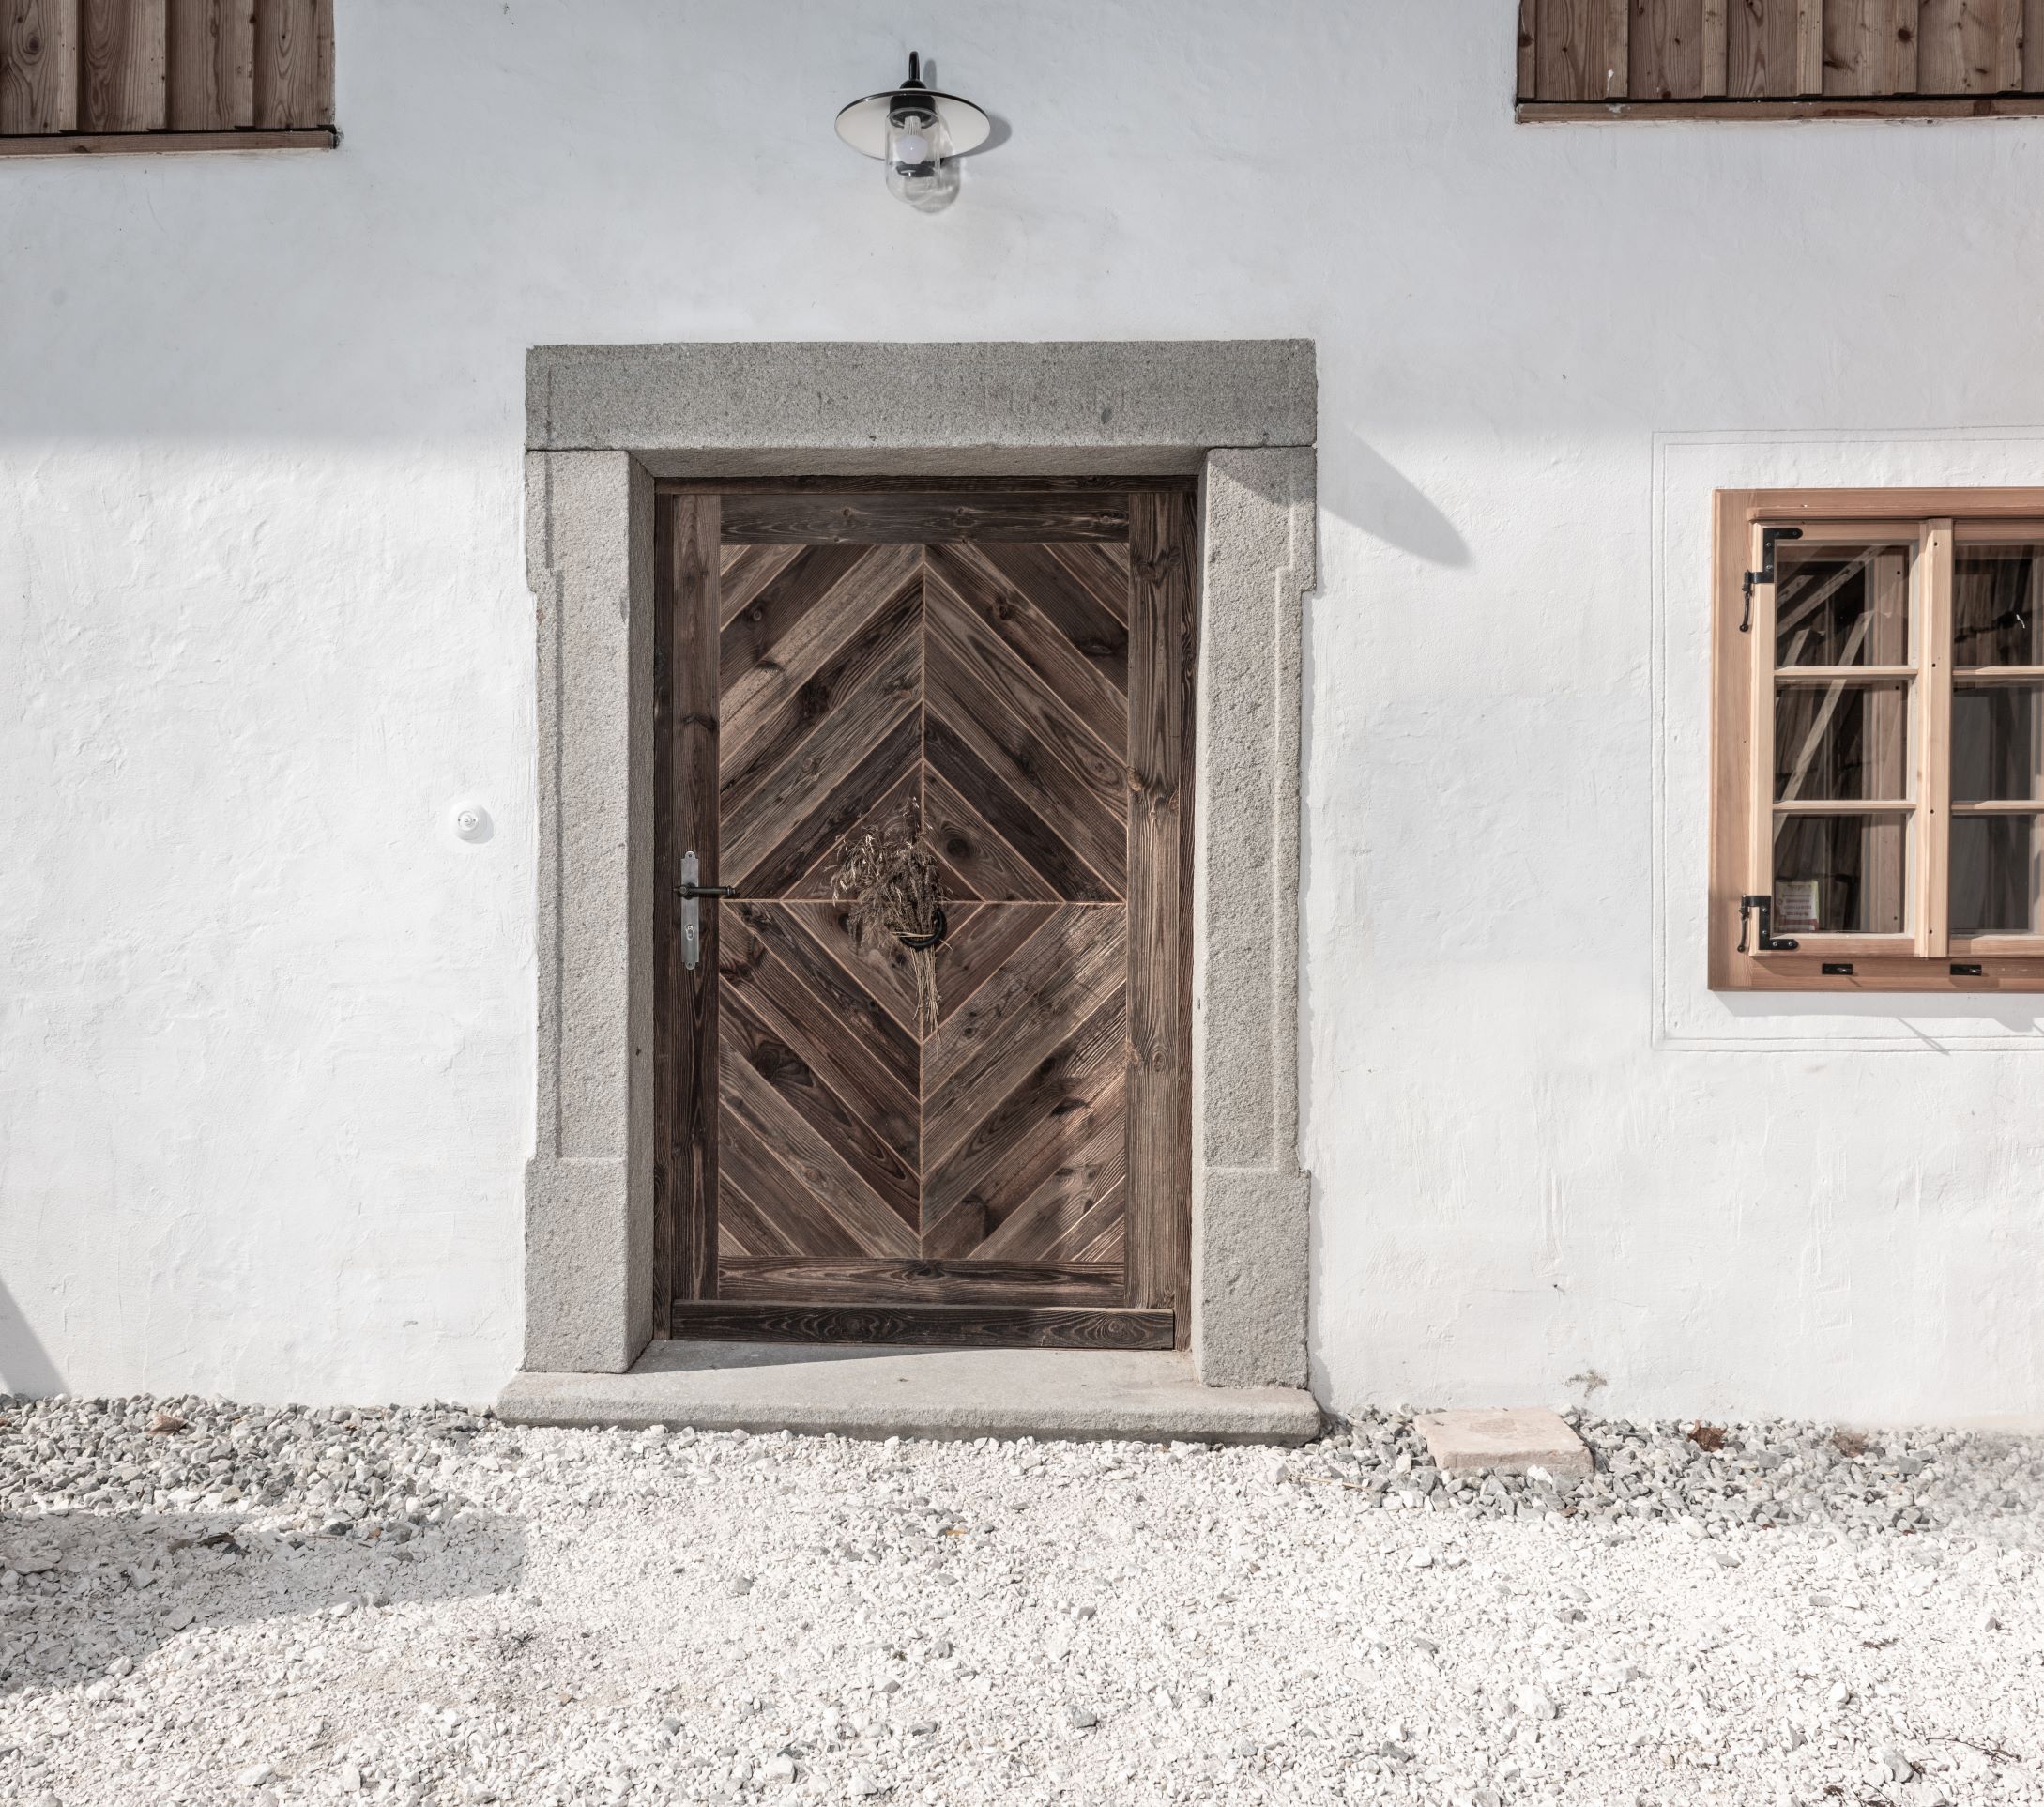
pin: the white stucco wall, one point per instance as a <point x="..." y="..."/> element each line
<point x="266" y="1026"/>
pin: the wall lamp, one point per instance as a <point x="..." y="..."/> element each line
<point x="919" y="133"/>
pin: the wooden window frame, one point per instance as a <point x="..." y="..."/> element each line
<point x="100" y="77"/>
<point x="1743" y="804"/>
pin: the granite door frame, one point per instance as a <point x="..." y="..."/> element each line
<point x="605" y="423"/>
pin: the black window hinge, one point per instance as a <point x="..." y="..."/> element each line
<point x="1769" y="942"/>
<point x="1765" y="574"/>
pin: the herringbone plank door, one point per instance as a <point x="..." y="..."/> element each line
<point x="969" y="1177"/>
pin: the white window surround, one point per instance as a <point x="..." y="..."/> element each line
<point x="1687" y="1017"/>
<point x="604" y="424"/>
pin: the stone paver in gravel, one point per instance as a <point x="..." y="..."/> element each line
<point x="205" y="1603"/>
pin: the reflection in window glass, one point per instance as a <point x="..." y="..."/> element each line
<point x="1994" y="875"/>
<point x="1996" y="592"/>
<point x="1997" y="744"/>
<point x="1842" y="605"/>
<point x="1842" y="875"/>
<point x="1843" y="740"/>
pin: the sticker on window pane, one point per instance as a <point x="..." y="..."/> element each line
<point x="1994" y="875"/>
<point x="1996" y="594"/>
<point x="1843" y="605"/>
<point x="1841" y="741"/>
<point x="1796" y="907"/>
<point x="1997" y="742"/>
<point x="1846" y="875"/>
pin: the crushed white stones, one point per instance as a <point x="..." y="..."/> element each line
<point x="201" y="1603"/>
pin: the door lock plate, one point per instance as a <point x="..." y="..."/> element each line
<point x="691" y="893"/>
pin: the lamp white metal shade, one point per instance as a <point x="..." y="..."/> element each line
<point x="863" y="124"/>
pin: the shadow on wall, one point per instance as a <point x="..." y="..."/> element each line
<point x="25" y="1366"/>
<point x="1367" y="490"/>
<point x="155" y="1576"/>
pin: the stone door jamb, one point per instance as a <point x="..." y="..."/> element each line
<point x="604" y="424"/>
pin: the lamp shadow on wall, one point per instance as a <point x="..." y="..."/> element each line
<point x="1367" y="490"/>
<point x="25" y="1366"/>
<point x="1000" y="132"/>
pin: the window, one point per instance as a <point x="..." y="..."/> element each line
<point x="114" y="75"/>
<point x="1761" y="59"/>
<point x="1879" y="724"/>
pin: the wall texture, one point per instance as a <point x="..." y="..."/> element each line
<point x="266" y="1035"/>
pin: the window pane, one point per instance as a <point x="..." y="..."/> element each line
<point x="1840" y="874"/>
<point x="1841" y="741"/>
<point x="1997" y="742"/>
<point x="1994" y="875"/>
<point x="1996" y="599"/>
<point x="1842" y="605"/>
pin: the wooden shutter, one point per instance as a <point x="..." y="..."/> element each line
<point x="165" y="74"/>
<point x="1778" y="59"/>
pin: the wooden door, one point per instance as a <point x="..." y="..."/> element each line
<point x="1005" y="679"/>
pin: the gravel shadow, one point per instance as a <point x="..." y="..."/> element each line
<point x="81" y="1591"/>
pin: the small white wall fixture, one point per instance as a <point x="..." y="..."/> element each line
<point x="605" y="423"/>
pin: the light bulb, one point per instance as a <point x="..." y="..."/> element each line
<point x="919" y="165"/>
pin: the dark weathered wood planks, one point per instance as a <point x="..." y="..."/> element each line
<point x="38" y="66"/>
<point x="125" y="67"/>
<point x="1001" y="692"/>
<point x="1570" y="60"/>
<point x="103" y="75"/>
<point x="1665" y="50"/>
<point x="293" y="63"/>
<point x="1027" y="748"/>
<point x="864" y="517"/>
<point x="962" y="1326"/>
<point x="212" y="65"/>
<point x="922" y="1281"/>
<point x="1163" y="650"/>
<point x="1712" y="58"/>
<point x="989" y="864"/>
<point x="685" y="740"/>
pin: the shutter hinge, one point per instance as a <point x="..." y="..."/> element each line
<point x="1769" y="942"/>
<point x="1765" y="574"/>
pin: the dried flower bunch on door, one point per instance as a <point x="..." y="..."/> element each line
<point x="890" y="881"/>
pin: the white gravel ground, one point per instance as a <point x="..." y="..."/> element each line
<point x="253" y="1606"/>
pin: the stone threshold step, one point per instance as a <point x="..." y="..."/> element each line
<point x="861" y="1391"/>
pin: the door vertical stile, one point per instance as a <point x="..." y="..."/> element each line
<point x="1159" y="1102"/>
<point x="693" y="559"/>
<point x="665" y="1106"/>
